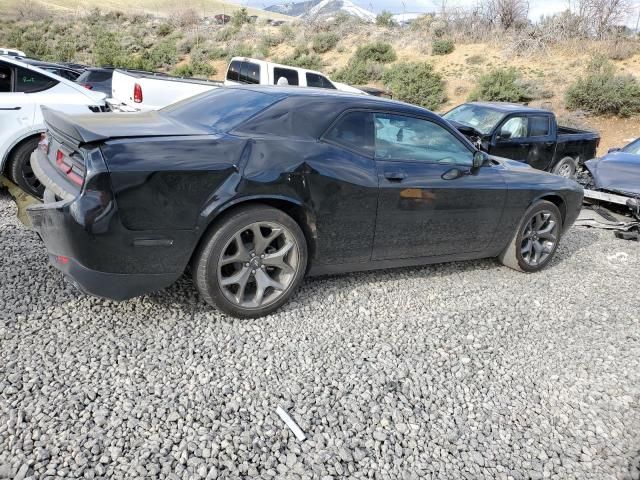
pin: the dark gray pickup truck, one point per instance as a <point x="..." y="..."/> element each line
<point x="525" y="134"/>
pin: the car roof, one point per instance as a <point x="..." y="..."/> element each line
<point x="345" y="99"/>
<point x="41" y="63"/>
<point x="508" y="107"/>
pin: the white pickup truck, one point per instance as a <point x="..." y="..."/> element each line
<point x="23" y="90"/>
<point x="136" y="92"/>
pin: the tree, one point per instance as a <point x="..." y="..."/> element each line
<point x="385" y="19"/>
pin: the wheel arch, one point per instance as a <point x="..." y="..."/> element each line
<point x="558" y="201"/>
<point x="292" y="207"/>
<point x="16" y="144"/>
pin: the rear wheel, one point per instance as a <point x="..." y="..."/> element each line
<point x="19" y="168"/>
<point x="565" y="167"/>
<point x="252" y="262"/>
<point x="536" y="240"/>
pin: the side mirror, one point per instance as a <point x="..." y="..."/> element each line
<point x="614" y="149"/>
<point x="479" y="159"/>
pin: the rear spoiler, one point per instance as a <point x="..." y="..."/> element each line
<point x="72" y="132"/>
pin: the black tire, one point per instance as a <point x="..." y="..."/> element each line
<point x="565" y="168"/>
<point x="19" y="168"/>
<point x="513" y="256"/>
<point x="208" y="262"/>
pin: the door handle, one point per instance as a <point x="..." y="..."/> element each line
<point x="395" y="175"/>
<point x="548" y="144"/>
<point x="10" y="108"/>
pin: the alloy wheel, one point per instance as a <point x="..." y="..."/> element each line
<point x="539" y="238"/>
<point x="258" y="264"/>
<point x="565" y="170"/>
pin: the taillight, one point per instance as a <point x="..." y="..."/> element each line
<point x="43" y="144"/>
<point x="66" y="164"/>
<point x="137" y="93"/>
<point x="88" y="87"/>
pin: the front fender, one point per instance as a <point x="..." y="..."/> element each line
<point x="8" y="145"/>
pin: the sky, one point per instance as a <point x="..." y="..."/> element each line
<point x="537" y="8"/>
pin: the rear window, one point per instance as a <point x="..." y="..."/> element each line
<point x="244" y="72"/>
<point x="221" y="110"/>
<point x="28" y="81"/>
<point x="95" y="76"/>
<point x="318" y="81"/>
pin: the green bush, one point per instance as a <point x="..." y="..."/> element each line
<point x="164" y="53"/>
<point x="225" y="34"/>
<point x="385" y="19"/>
<point x="603" y="92"/>
<point x="302" y="58"/>
<point x="442" y="47"/>
<point x="501" y="85"/>
<point x="375" y="52"/>
<point x="324" y="41"/>
<point x="164" y="29"/>
<point x="415" y="83"/>
<point x="194" y="69"/>
<point x="240" y="17"/>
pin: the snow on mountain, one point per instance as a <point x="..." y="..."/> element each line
<point x="322" y="8"/>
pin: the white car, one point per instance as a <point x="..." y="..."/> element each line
<point x="12" y="52"/>
<point x="23" y="90"/>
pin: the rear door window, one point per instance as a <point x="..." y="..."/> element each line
<point x="291" y="76"/>
<point x="353" y="130"/>
<point x="539" y="126"/>
<point x="28" y="81"/>
<point x="318" y="81"/>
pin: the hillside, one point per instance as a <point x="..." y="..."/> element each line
<point x="163" y="8"/>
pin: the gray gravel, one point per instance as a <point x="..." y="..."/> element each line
<point x="466" y="370"/>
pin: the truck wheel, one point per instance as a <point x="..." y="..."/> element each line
<point x="565" y="167"/>
<point x="19" y="168"/>
<point x="536" y="240"/>
<point x="252" y="262"/>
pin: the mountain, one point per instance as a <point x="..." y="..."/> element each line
<point x="322" y="8"/>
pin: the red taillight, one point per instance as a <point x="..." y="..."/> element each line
<point x="88" y="87"/>
<point x="63" y="260"/>
<point x="65" y="164"/>
<point x="137" y="93"/>
<point x="43" y="144"/>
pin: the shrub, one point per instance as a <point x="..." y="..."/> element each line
<point x="164" y="29"/>
<point x="270" y="41"/>
<point x="225" y="34"/>
<point x="475" y="60"/>
<point x="375" y="52"/>
<point x="287" y="32"/>
<point x="416" y="83"/>
<point x="164" y="53"/>
<point x="385" y="19"/>
<point x="194" y="69"/>
<point x="501" y="85"/>
<point x="240" y="50"/>
<point x="240" y="17"/>
<point x="302" y="58"/>
<point x="442" y="47"/>
<point x="324" y="41"/>
<point x="601" y="91"/>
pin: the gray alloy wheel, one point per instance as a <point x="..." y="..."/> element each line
<point x="250" y="261"/>
<point x="540" y="238"/>
<point x="534" y="244"/>
<point x="258" y="264"/>
<point x="565" y="168"/>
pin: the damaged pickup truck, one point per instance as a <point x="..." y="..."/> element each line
<point x="525" y="134"/>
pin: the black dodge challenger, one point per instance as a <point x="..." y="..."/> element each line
<point x="254" y="187"/>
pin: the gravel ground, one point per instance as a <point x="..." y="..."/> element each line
<point x="466" y="370"/>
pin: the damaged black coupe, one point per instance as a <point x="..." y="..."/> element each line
<point x="254" y="187"/>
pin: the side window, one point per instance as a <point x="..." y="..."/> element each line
<point x="233" y="74"/>
<point x="28" y="81"/>
<point x="5" y="78"/>
<point x="414" y="139"/>
<point x="353" y="130"/>
<point x="291" y="76"/>
<point x="539" y="126"/>
<point x="515" y="127"/>
<point x="318" y="81"/>
<point x="250" y="73"/>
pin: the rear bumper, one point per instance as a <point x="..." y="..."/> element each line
<point x="86" y="240"/>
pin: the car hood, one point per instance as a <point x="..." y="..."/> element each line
<point x="96" y="127"/>
<point x="617" y="172"/>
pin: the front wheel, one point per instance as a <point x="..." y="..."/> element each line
<point x="565" y="167"/>
<point x="19" y="169"/>
<point x="536" y="240"/>
<point x="252" y="262"/>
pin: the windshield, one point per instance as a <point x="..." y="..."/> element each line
<point x="633" y="147"/>
<point x="221" y="109"/>
<point x="480" y="118"/>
